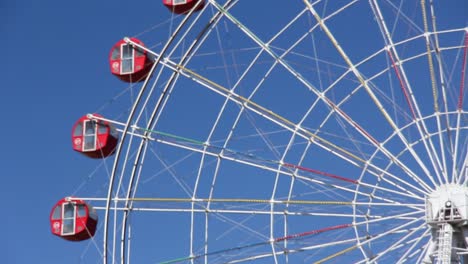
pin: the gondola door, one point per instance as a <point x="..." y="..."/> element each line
<point x="127" y="59"/>
<point x="68" y="219"/>
<point x="89" y="135"/>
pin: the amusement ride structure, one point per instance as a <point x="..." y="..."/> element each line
<point x="320" y="132"/>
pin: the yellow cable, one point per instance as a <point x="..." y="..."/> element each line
<point x="336" y="254"/>
<point x="429" y="57"/>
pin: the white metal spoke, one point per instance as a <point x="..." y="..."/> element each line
<point x="371" y="94"/>
<point x="326" y="100"/>
<point x="415" y="243"/>
<point x="422" y="129"/>
<point x="397" y="244"/>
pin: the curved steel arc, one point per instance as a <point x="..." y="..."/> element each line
<point x="124" y="135"/>
<point x="151" y="120"/>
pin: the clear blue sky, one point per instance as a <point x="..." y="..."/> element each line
<point x="56" y="56"/>
<point x="56" y="70"/>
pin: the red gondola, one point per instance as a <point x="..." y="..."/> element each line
<point x="73" y="220"/>
<point x="183" y="6"/>
<point x="129" y="64"/>
<point x="94" y="138"/>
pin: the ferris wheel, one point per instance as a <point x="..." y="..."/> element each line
<point x="280" y="132"/>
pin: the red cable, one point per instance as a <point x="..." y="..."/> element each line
<point x="326" y="174"/>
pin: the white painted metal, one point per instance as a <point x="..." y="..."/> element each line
<point x="404" y="189"/>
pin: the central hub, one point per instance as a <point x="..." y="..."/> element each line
<point x="447" y="216"/>
<point x="447" y="204"/>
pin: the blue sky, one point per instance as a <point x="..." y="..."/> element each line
<point x="56" y="70"/>
<point x="57" y="57"/>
